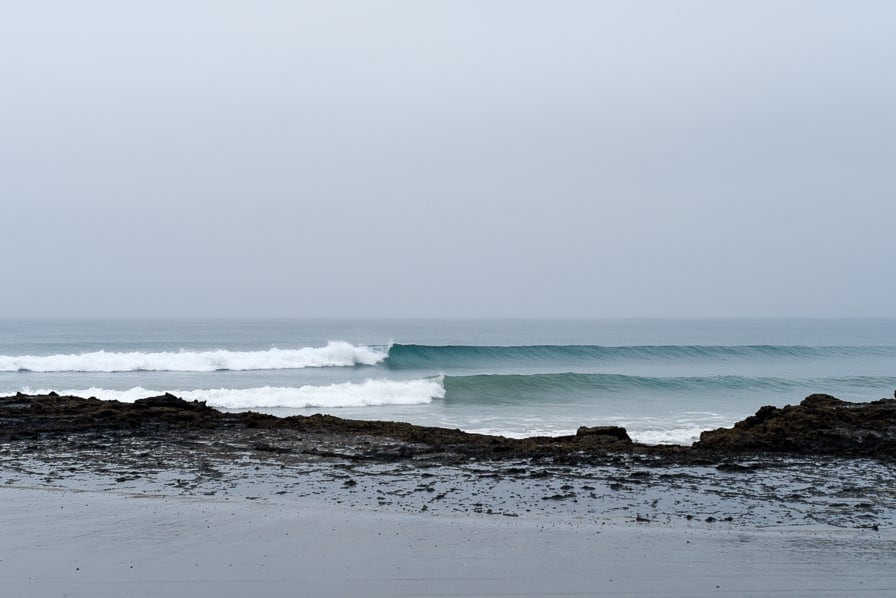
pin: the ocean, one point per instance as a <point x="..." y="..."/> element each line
<point x="665" y="380"/>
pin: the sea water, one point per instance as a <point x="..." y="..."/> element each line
<point x="664" y="380"/>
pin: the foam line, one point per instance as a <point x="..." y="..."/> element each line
<point x="335" y="353"/>
<point x="347" y="394"/>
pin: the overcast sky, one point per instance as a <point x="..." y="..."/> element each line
<point x="374" y="158"/>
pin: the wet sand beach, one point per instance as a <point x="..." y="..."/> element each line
<point x="230" y="510"/>
<point x="59" y="543"/>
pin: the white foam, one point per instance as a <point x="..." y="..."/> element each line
<point x="684" y="436"/>
<point x="336" y="353"/>
<point x="364" y="394"/>
<point x="680" y="436"/>
<point x="517" y="433"/>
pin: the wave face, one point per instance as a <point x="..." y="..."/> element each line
<point x="369" y="393"/>
<point x="410" y="356"/>
<point x="483" y="390"/>
<point x="515" y="388"/>
<point x="334" y="354"/>
<point x="663" y="380"/>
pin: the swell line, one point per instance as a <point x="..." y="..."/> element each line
<point x="369" y="393"/>
<point x="511" y="388"/>
<point x="334" y="354"/>
<point x="407" y="356"/>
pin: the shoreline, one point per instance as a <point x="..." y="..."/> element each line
<point x="819" y="425"/>
<point x="172" y="497"/>
<point x="163" y="445"/>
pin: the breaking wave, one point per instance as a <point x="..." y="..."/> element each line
<point x="369" y="393"/>
<point x="334" y="354"/>
<point x="488" y="389"/>
<point x="407" y="356"/>
<point x="518" y="388"/>
<point x="402" y="356"/>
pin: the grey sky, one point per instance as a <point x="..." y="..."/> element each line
<point x="448" y="158"/>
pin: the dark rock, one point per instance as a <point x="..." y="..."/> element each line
<point x="559" y="496"/>
<point x="264" y="447"/>
<point x="735" y="467"/>
<point x="603" y="434"/>
<point x="514" y="471"/>
<point x="170" y="401"/>
<point x="821" y="424"/>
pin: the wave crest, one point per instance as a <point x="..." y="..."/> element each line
<point x="334" y="354"/>
<point x="402" y="356"/>
<point x="516" y="388"/>
<point x="369" y="393"/>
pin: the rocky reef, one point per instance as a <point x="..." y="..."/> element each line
<point x="821" y="424"/>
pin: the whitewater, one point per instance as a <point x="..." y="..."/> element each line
<point x="333" y="354"/>
<point x="664" y="380"/>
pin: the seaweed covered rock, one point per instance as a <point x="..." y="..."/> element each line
<point x="603" y="434"/>
<point x="821" y="424"/>
<point x="172" y="402"/>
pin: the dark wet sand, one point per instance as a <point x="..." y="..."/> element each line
<point x="158" y="502"/>
<point x="57" y="543"/>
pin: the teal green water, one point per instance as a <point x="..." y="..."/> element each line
<point x="665" y="380"/>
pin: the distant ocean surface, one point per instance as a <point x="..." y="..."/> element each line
<point x="664" y="380"/>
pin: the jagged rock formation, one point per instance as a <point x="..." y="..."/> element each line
<point x="821" y="425"/>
